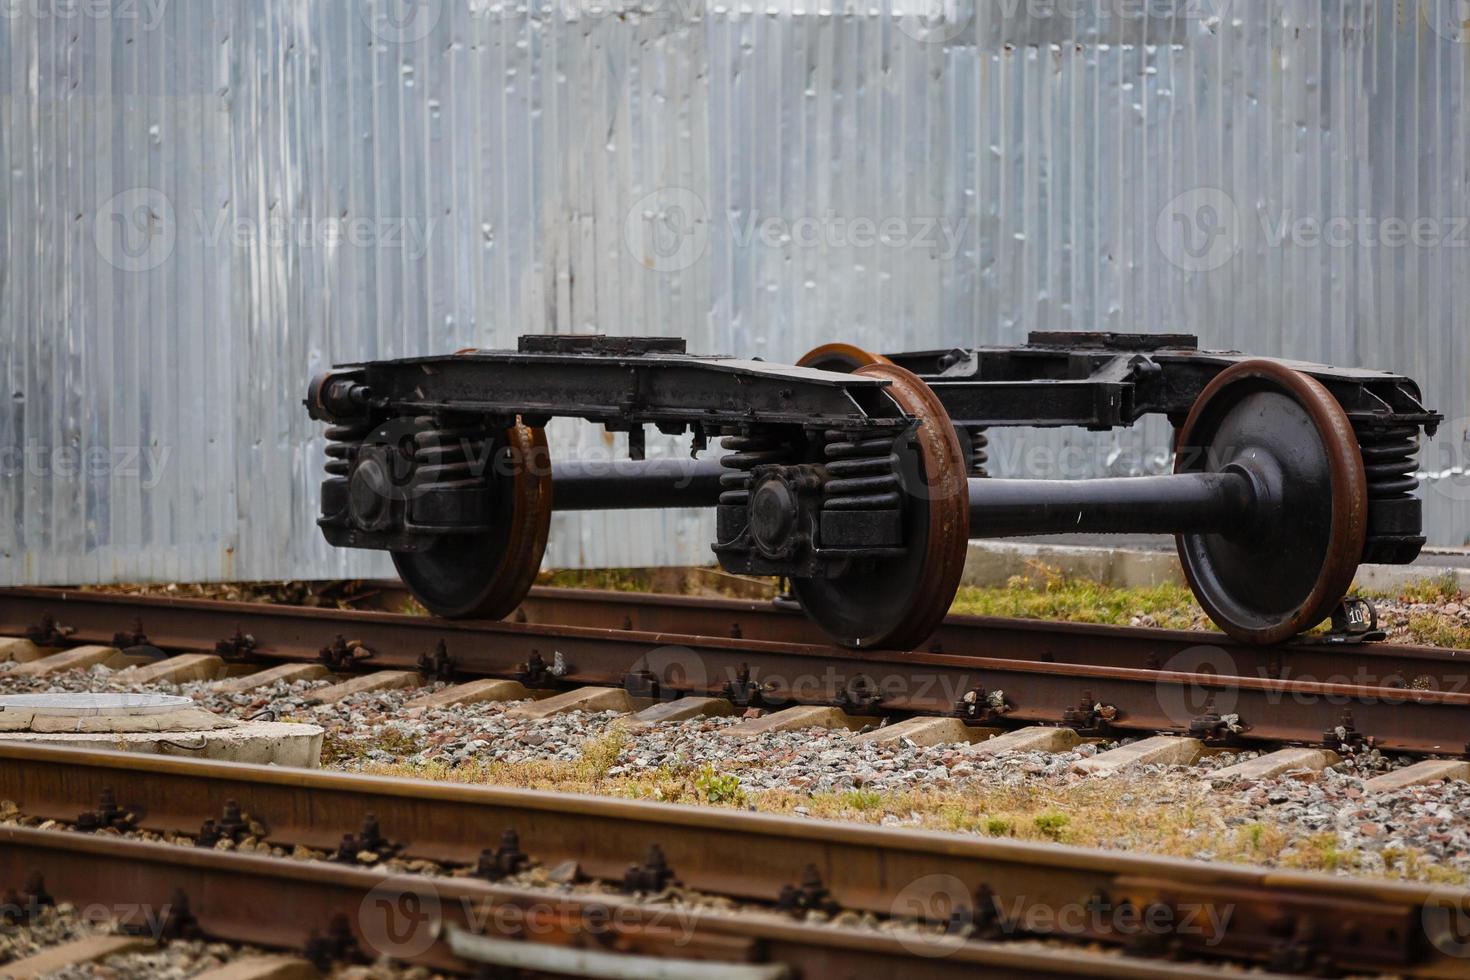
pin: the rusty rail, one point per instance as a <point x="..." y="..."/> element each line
<point x="356" y="914"/>
<point x="1004" y="887"/>
<point x="1208" y="694"/>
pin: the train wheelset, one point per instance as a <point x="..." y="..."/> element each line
<point x="862" y="477"/>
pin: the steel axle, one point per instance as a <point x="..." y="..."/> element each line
<point x="1174" y="504"/>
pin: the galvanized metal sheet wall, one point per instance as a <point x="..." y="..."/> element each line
<point x="205" y="202"/>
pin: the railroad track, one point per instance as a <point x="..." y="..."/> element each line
<point x="971" y="904"/>
<point x="989" y="673"/>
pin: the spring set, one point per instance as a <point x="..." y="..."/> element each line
<point x="1388" y="460"/>
<point x="343" y="442"/>
<point x="861" y="470"/>
<point x="745" y="454"/>
<point x="979" y="450"/>
<point x="1389" y="464"/>
<point x="449" y="455"/>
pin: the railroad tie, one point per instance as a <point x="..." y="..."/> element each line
<point x="79" y="952"/>
<point x="926" y="730"/>
<point x="683" y="709"/>
<point x="380" y="680"/>
<point x="1274" y="764"/>
<point x="475" y="692"/>
<point x="176" y="670"/>
<point x="80" y="658"/>
<point x="17" y="649"/>
<point x="1419" y="774"/>
<point x="799" y="717"/>
<point x="581" y="699"/>
<point x="1164" y="750"/>
<point x="1039" y="738"/>
<point x="262" y="968"/>
<point x="290" y="673"/>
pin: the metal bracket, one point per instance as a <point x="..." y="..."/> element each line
<point x="24" y="906"/>
<point x="49" y="633"/>
<point x="108" y="816"/>
<point x="344" y="654"/>
<point x="858" y="697"/>
<point x="238" y="648"/>
<point x="978" y="707"/>
<point x="808" y="896"/>
<point x="1090" y="717"/>
<point x="503" y="861"/>
<point x="742" y="691"/>
<point x="438" y="667"/>
<point x="232" y="825"/>
<point x="653" y="875"/>
<point x="370" y="838"/>
<point x="339" y="945"/>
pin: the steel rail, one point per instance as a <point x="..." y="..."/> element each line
<point x="1261" y="913"/>
<point x="359" y="913"/>
<point x="1363" y="664"/>
<point x="1207" y="697"/>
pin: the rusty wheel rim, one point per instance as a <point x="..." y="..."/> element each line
<point x="1285" y="561"/>
<point x="899" y="602"/>
<point x="486" y="575"/>
<point x="842" y="358"/>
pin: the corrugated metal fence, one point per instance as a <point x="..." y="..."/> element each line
<point x="206" y="201"/>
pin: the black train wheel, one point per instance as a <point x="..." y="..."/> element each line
<point x="487" y="574"/>
<point x="1285" y="571"/>
<point x="897" y="603"/>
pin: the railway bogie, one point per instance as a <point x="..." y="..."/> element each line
<point x="861" y="477"/>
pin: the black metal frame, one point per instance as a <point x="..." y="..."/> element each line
<point x="1105" y="380"/>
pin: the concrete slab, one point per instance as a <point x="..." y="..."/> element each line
<point x="176" y="670"/>
<point x="78" y="952"/>
<point x="683" y="709"/>
<point x="581" y="699"/>
<point x="1035" y="739"/>
<point x="79" y="658"/>
<point x="379" y="680"/>
<point x="797" y="718"/>
<point x="261" y="742"/>
<point x="1160" y="750"/>
<point x="1275" y="763"/>
<point x="927" y="730"/>
<point x="262" y="968"/>
<point x="178" y="722"/>
<point x="290" y="673"/>
<point x="475" y="692"/>
<point x="1419" y="774"/>
<point x="996" y="562"/>
<point x="17" y="649"/>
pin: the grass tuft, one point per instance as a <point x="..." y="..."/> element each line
<point x="1046" y="593"/>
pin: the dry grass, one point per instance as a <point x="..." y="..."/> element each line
<point x="1439" y="630"/>
<point x="1168" y="817"/>
<point x="1425" y="591"/>
<point x="1047" y="593"/>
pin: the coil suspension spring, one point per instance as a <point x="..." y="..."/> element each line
<point x="979" y="450"/>
<point x="1389" y="460"/>
<point x="343" y="442"/>
<point x="745" y="454"/>
<point x="862" y="471"/>
<point x="450" y="455"/>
